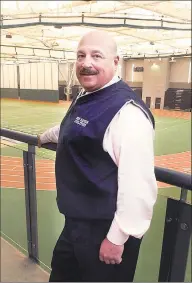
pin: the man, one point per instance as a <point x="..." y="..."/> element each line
<point x="105" y="180"/>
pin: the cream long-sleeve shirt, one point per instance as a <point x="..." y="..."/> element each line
<point x="129" y="141"/>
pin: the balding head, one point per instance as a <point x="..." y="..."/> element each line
<point x="104" y="39"/>
<point x="97" y="60"/>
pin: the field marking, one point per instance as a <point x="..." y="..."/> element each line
<point x="12" y="118"/>
<point x="171" y="126"/>
<point x="171" y="161"/>
<point x="39" y="190"/>
<point x="20" y="179"/>
<point x="21" y="184"/>
<point x="36" y="125"/>
<point x="8" y="170"/>
<point x="38" y="168"/>
<point x="171" y="114"/>
<point x="41" y="176"/>
<point x="170" y="122"/>
<point x="20" y="162"/>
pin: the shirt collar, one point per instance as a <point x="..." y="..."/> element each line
<point x="114" y="80"/>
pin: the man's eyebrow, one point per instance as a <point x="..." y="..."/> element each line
<point x="92" y="51"/>
<point x="80" y="51"/>
<point x="97" y="51"/>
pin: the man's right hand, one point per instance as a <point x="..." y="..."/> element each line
<point x="110" y="253"/>
<point x="38" y="141"/>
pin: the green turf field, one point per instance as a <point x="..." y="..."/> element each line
<point x="172" y="136"/>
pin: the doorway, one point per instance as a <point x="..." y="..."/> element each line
<point x="157" y="103"/>
<point x="148" y="101"/>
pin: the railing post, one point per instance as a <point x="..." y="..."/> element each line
<point x="31" y="201"/>
<point x="176" y="240"/>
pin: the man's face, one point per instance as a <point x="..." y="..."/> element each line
<point x="96" y="64"/>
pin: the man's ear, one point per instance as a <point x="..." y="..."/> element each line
<point x="116" y="60"/>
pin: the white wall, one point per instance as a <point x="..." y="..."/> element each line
<point x="55" y="75"/>
<point x="8" y="76"/>
<point x="39" y="76"/>
<point x="63" y="72"/>
<point x="179" y="71"/>
<point x="121" y="69"/>
<point x="155" y="79"/>
<point x="131" y="76"/>
<point x="33" y="76"/>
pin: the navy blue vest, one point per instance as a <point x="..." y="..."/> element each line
<point x="86" y="176"/>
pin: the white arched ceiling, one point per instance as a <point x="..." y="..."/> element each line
<point x="50" y="30"/>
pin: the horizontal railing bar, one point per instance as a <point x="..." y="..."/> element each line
<point x="164" y="175"/>
<point x="174" y="178"/>
<point x="19" y="136"/>
<point x="26" y="138"/>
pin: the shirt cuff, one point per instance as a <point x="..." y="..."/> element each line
<point x="115" y="235"/>
<point x="44" y="138"/>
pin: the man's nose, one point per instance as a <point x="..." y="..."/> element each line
<point x="87" y="62"/>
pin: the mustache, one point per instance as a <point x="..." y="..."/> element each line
<point x="88" y="71"/>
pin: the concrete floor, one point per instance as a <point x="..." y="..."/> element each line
<point x="15" y="267"/>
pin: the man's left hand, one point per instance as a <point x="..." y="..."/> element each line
<point x="110" y="253"/>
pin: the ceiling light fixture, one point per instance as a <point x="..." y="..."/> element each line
<point x="155" y="67"/>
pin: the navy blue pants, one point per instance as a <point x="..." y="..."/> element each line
<point x="76" y="254"/>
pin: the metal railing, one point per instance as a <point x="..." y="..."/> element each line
<point x="177" y="228"/>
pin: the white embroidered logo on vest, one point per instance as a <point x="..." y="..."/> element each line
<point x="80" y="121"/>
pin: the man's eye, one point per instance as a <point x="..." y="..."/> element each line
<point x="80" y="56"/>
<point x="97" y="56"/>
